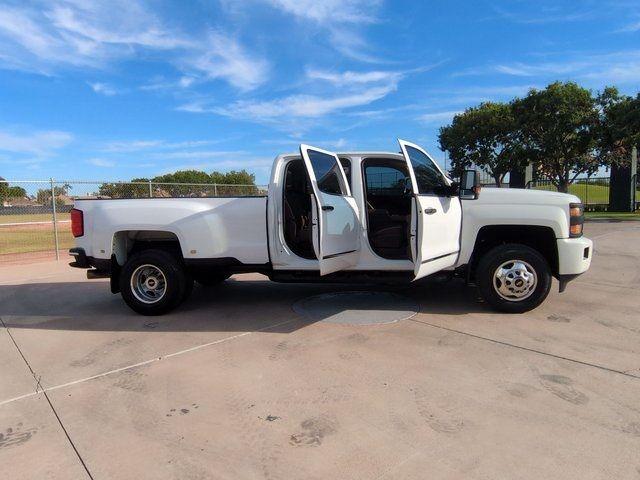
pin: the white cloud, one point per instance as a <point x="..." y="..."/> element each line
<point x="41" y="143"/>
<point x="342" y="21"/>
<point x="221" y="56"/>
<point x="438" y="117"/>
<point x="339" y="144"/>
<point x="138" y="145"/>
<point x="101" y="162"/>
<point x="591" y="68"/>
<point x="342" y="91"/>
<point x="73" y="33"/>
<point x="104" y="89"/>
<point x="163" y="84"/>
<point x="264" y="164"/>
<point x="342" y="11"/>
<point x="531" y="70"/>
<point x="199" y="154"/>
<point x="298" y="106"/>
<point x="630" y="28"/>
<point x="352" y="44"/>
<point x="548" y="14"/>
<point x="349" y="78"/>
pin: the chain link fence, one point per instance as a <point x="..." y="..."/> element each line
<point x="35" y="222"/>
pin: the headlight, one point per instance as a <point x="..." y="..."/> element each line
<point x="576" y="219"/>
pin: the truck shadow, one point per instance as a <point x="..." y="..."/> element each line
<point x="236" y="305"/>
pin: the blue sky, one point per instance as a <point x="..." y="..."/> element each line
<point x="122" y="89"/>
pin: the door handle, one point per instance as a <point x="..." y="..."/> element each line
<point x="327" y="208"/>
<point x="430" y="211"/>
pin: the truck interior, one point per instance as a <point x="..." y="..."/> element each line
<point x="297" y="207"/>
<point x="388" y="207"/>
<point x="297" y="210"/>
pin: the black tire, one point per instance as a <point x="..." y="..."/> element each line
<point x="149" y="268"/>
<point x="211" y="279"/>
<point x="513" y="278"/>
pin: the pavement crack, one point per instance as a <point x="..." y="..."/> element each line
<point x="532" y="350"/>
<point x="55" y="413"/>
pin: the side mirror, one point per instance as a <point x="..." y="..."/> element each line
<point x="470" y="185"/>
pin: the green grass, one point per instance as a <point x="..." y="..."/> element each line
<point x="20" y="241"/>
<point x="614" y="215"/>
<point x="33" y="238"/>
<point x="32" y="217"/>
<point x="586" y="192"/>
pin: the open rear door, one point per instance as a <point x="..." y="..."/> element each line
<point x="336" y="227"/>
<point x="436" y="214"/>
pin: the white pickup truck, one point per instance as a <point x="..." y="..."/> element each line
<point x="348" y="217"/>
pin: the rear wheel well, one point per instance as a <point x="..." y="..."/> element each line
<point x="541" y="239"/>
<point x="130" y="242"/>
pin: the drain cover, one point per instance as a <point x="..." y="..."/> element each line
<point x="356" y="308"/>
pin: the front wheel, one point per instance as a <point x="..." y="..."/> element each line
<point x="154" y="282"/>
<point x="513" y="278"/>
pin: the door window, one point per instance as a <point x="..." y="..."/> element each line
<point x="346" y="168"/>
<point x="328" y="175"/>
<point x="428" y="176"/>
<point x="385" y="180"/>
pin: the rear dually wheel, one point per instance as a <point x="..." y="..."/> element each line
<point x="154" y="282"/>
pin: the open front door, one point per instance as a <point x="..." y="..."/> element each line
<point x="436" y="214"/>
<point x="336" y="228"/>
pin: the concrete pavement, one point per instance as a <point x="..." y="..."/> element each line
<point x="236" y="385"/>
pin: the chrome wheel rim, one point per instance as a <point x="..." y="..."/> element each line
<point x="148" y="284"/>
<point x="515" y="280"/>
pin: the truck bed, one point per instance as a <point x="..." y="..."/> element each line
<point x="224" y="228"/>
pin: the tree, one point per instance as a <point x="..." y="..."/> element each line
<point x="558" y="131"/>
<point x="7" y="192"/>
<point x="43" y="196"/>
<point x="485" y="136"/>
<point x="184" y="183"/>
<point x="138" y="188"/>
<point x="234" y="177"/>
<point x="4" y="187"/>
<point x="192" y="183"/>
<point x="15" y="192"/>
<point x="184" y="176"/>
<point x="619" y="126"/>
<point x="245" y="179"/>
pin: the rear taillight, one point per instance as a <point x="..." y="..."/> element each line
<point x="77" y="223"/>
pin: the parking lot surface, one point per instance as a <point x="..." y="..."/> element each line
<point x="236" y="384"/>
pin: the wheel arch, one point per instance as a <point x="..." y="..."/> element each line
<point x="127" y="242"/>
<point x="540" y="238"/>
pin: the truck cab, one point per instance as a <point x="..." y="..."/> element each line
<point x="363" y="212"/>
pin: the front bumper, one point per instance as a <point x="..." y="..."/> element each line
<point x="574" y="255"/>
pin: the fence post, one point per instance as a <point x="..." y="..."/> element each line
<point x="634" y="176"/>
<point x="586" y="193"/>
<point x="55" y="219"/>
<point x="150" y="190"/>
<point x="215" y="189"/>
